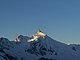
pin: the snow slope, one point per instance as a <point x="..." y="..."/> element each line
<point x="38" y="47"/>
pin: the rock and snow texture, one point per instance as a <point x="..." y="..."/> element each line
<point x="38" y="47"/>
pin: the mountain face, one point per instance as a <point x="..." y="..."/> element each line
<point x="38" y="47"/>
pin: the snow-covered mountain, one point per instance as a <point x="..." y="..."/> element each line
<point x="38" y="47"/>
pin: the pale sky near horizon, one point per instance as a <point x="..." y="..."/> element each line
<point x="58" y="19"/>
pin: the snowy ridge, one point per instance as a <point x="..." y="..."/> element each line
<point x="38" y="47"/>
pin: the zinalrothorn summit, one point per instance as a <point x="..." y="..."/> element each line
<point x="38" y="47"/>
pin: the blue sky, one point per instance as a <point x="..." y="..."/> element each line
<point x="58" y="19"/>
